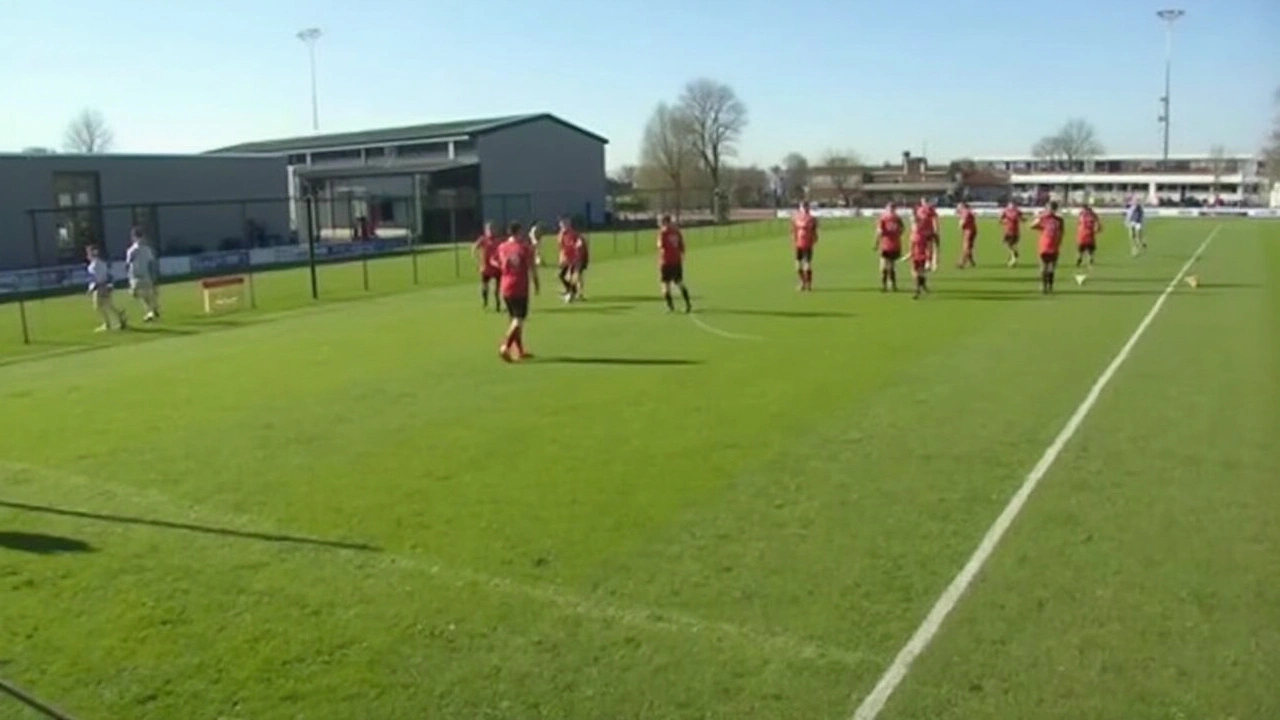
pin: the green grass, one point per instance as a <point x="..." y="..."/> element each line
<point x="356" y="511"/>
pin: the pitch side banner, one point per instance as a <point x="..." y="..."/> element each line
<point x="1258" y="213"/>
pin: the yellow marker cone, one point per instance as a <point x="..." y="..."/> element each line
<point x="1193" y="281"/>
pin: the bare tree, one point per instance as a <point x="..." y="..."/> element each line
<point x="626" y="175"/>
<point x="1217" y="166"/>
<point x="841" y="169"/>
<point x="1273" y="144"/>
<point x="795" y="176"/>
<point x="668" y="150"/>
<point x="749" y="186"/>
<point x="88" y="133"/>
<point x="718" y="118"/>
<point x="1076" y="140"/>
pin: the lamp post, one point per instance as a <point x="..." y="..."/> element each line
<point x="310" y="36"/>
<point x="1168" y="17"/>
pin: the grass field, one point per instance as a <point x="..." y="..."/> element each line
<point x="356" y="511"/>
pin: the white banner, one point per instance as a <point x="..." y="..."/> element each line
<point x="846" y="213"/>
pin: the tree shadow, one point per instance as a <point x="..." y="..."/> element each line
<point x="779" y="313"/>
<point x="159" y="330"/>
<point x="654" y="298"/>
<point x="187" y="527"/>
<point x="566" y="360"/>
<point x="41" y="544"/>
<point x="868" y="289"/>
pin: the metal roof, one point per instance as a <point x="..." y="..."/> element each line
<point x="409" y="133"/>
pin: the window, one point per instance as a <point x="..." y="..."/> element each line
<point x="374" y="152"/>
<point x="423" y="150"/>
<point x="298" y="159"/>
<point x="79" y="222"/>
<point x="464" y="146"/>
<point x="335" y="156"/>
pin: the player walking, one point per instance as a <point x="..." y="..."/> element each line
<point x="535" y="231"/>
<point x="1011" y="222"/>
<point x="671" y="263"/>
<point x="1050" y="225"/>
<point x="889" y="243"/>
<point x="922" y="249"/>
<point x="143" y="270"/>
<point x="519" y="270"/>
<point x="1133" y="218"/>
<point x="485" y="252"/>
<point x="584" y="260"/>
<point x="927" y="221"/>
<point x="570" y="244"/>
<point x="804" y="235"/>
<point x="968" y="235"/>
<point x="1088" y="226"/>
<point x="100" y="290"/>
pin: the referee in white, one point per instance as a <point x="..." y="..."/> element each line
<point x="100" y="290"/>
<point x="141" y="265"/>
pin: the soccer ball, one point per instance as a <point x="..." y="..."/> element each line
<point x="1080" y="278"/>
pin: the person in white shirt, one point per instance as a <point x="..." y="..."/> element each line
<point x="100" y="290"/>
<point x="141" y="265"/>
<point x="534" y="230"/>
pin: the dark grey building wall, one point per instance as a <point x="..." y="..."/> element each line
<point x="165" y="182"/>
<point x="561" y="170"/>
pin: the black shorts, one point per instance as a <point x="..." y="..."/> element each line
<point x="673" y="273"/>
<point x="891" y="255"/>
<point x="1088" y="247"/>
<point x="1048" y="257"/>
<point x="804" y="254"/>
<point x="1010" y="239"/>
<point x="517" y="307"/>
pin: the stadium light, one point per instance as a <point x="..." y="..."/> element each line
<point x="310" y="36"/>
<point x="1168" y="17"/>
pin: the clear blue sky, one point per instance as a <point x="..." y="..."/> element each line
<point x="967" y="77"/>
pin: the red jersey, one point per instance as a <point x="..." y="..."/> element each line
<point x="488" y="247"/>
<point x="670" y="247"/>
<point x="804" y="230"/>
<point x="570" y="246"/>
<point x="920" y="251"/>
<point x="515" y="259"/>
<point x="968" y="223"/>
<point x="890" y="231"/>
<point x="927" y="220"/>
<point x="1050" y="227"/>
<point x="1087" y="227"/>
<point x="1011" y="221"/>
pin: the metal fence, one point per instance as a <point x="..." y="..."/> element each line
<point x="284" y="253"/>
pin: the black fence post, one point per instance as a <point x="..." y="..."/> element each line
<point x="311" y="246"/>
<point x="22" y="317"/>
<point x="364" y="264"/>
<point x="413" y="253"/>
<point x="453" y="238"/>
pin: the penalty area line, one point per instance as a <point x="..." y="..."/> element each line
<point x="874" y="702"/>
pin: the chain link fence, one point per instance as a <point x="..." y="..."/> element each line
<point x="226" y="262"/>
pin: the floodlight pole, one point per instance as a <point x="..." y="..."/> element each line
<point x="1168" y="17"/>
<point x="310" y="36"/>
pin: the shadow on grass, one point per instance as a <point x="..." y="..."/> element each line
<point x="654" y="298"/>
<point x="779" y="313"/>
<point x="40" y="544"/>
<point x="187" y="527"/>
<point x="641" y="362"/>
<point x="589" y="308"/>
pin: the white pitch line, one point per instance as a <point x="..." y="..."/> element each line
<point x="893" y="676"/>
<point x="717" y="331"/>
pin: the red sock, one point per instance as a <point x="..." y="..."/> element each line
<point x="808" y="277"/>
<point x="518" y="339"/>
<point x="512" y="338"/>
<point x="801" y="274"/>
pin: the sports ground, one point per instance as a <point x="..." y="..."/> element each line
<point x="354" y="510"/>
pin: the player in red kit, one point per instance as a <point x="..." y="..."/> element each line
<point x="485" y="253"/>
<point x="968" y="235"/>
<point x="927" y="222"/>
<point x="1011" y="222"/>
<point x="570" y="259"/>
<point x="1051" y="226"/>
<point x="1088" y="226"/>
<point x="804" y="235"/>
<point x="889" y="244"/>
<point x="519" y="267"/>
<point x="922" y="249"/>
<point x="671" y="264"/>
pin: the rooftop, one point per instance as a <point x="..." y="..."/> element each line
<point x="408" y="133"/>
